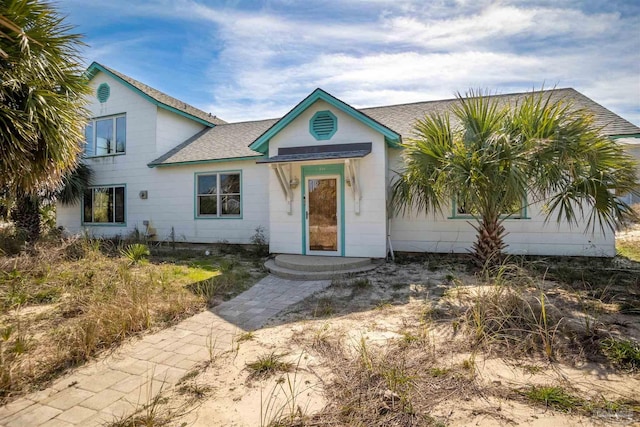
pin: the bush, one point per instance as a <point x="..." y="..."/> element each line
<point x="12" y="240"/>
<point x="136" y="252"/>
<point x="259" y="239"/>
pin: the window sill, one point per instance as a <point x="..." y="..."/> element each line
<point x="104" y="224"/>
<point x="104" y="155"/>
<point x="504" y="218"/>
<point x="218" y="217"/>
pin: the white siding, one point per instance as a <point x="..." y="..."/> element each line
<point x="365" y="234"/>
<point x="172" y="129"/>
<point x="437" y="233"/>
<point x="171" y="193"/>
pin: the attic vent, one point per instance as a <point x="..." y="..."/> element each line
<point x="103" y="93"/>
<point x="323" y="125"/>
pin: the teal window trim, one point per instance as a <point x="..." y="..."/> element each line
<point x="330" y="169"/>
<point x="456" y="215"/>
<point x="105" y="224"/>
<point x="202" y="162"/>
<point x="631" y="135"/>
<point x="217" y="216"/>
<point x="262" y="142"/>
<point x="93" y="122"/>
<point x="95" y="67"/>
<point x="312" y="125"/>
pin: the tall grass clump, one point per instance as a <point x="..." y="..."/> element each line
<point x="512" y="319"/>
<point x="391" y="384"/>
<point x="83" y="299"/>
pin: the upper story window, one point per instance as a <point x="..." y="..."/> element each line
<point x="106" y="136"/>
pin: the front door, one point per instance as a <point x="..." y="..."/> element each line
<point x="322" y="196"/>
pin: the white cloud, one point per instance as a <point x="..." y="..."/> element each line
<point x="266" y="59"/>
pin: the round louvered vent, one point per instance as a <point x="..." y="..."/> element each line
<point x="323" y="125"/>
<point x="103" y="92"/>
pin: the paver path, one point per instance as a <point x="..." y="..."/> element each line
<point x="109" y="389"/>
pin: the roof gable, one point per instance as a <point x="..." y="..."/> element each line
<point x="261" y="144"/>
<point x="156" y="97"/>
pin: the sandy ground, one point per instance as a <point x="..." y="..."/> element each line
<point x="224" y="393"/>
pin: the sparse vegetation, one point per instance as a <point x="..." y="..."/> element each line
<point x="135" y="252"/>
<point x="623" y="353"/>
<point x="66" y="300"/>
<point x="268" y="365"/>
<point x="553" y="397"/>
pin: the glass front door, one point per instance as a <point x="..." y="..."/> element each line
<point x="322" y="215"/>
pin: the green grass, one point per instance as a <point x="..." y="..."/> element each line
<point x="623" y="353"/>
<point x="629" y="249"/>
<point x="552" y="397"/>
<point x="65" y="301"/>
<point x="268" y="365"/>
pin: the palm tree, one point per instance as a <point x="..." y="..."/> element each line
<point x="42" y="88"/>
<point x="497" y="156"/>
<point x="26" y="212"/>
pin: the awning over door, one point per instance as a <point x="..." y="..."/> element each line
<point x="319" y="152"/>
<point x="348" y="153"/>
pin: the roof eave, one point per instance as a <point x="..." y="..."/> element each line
<point x="262" y="142"/>
<point x="95" y="67"/>
<point x="199" y="162"/>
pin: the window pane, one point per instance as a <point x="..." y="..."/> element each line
<point x="207" y="184"/>
<point x="121" y="134"/>
<point x="230" y="183"/>
<point x="103" y="205"/>
<point x="104" y="137"/>
<point x="119" y="201"/>
<point x="207" y="205"/>
<point x="88" y="137"/>
<point x="230" y="205"/>
<point x="88" y="206"/>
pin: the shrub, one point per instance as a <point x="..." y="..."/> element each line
<point x="260" y="241"/>
<point x="136" y="252"/>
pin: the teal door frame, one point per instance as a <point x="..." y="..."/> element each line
<point x="332" y="169"/>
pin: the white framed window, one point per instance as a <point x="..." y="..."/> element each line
<point x="104" y="205"/>
<point x="218" y="195"/>
<point x="106" y="136"/>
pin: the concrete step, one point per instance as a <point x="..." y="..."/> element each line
<point x="319" y="263"/>
<point x="288" y="273"/>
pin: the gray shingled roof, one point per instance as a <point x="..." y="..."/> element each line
<point x="232" y="140"/>
<point x="401" y="118"/>
<point x="165" y="99"/>
<point x="226" y="141"/>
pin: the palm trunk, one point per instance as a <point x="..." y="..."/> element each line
<point x="489" y="243"/>
<point x="26" y="215"/>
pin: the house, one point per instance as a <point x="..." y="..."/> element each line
<point x="316" y="180"/>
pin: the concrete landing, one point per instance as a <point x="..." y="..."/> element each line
<point x="311" y="267"/>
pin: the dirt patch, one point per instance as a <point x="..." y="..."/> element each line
<point x="426" y="342"/>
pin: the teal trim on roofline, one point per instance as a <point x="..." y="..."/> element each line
<point x="95" y="67"/>
<point x="261" y="144"/>
<point x="631" y="135"/>
<point x="199" y="162"/>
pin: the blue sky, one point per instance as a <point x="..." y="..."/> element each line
<point x="244" y="60"/>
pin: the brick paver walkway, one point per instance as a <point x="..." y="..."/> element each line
<point x="109" y="389"/>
